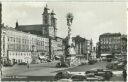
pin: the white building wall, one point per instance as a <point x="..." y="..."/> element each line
<point x="20" y="56"/>
<point x="18" y="45"/>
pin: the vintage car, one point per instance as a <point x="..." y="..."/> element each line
<point x="91" y="62"/>
<point x="62" y="75"/>
<point x="59" y="65"/>
<point x="91" y="77"/>
<point x="102" y="72"/>
<point x="78" y="78"/>
<point x="91" y="71"/>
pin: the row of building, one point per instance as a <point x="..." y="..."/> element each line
<point x="19" y="46"/>
<point x="112" y="43"/>
<point x="25" y="43"/>
<point x="29" y="43"/>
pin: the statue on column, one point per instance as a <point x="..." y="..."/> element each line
<point x="71" y="49"/>
<point x="70" y="46"/>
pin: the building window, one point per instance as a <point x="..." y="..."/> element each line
<point x="8" y="38"/>
<point x="14" y="39"/>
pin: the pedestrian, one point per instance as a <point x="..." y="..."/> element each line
<point x="124" y="75"/>
<point x="27" y="65"/>
<point x="1" y="69"/>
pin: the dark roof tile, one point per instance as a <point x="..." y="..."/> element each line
<point x="37" y="27"/>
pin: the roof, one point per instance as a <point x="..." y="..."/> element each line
<point x="13" y="29"/>
<point x="37" y="27"/>
<point x="110" y="34"/>
<point x="105" y="54"/>
<point x="78" y="38"/>
<point x="124" y="36"/>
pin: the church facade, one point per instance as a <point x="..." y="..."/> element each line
<point x="46" y="29"/>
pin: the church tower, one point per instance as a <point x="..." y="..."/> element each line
<point x="53" y="23"/>
<point x="16" y="27"/>
<point x="46" y="17"/>
<point x="49" y="23"/>
<point x="46" y="22"/>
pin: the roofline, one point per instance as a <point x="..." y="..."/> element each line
<point x="30" y="25"/>
<point x="13" y="29"/>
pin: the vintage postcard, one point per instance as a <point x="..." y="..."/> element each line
<point x="63" y="40"/>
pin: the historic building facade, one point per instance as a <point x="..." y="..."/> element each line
<point x="124" y="44"/>
<point x="112" y="43"/>
<point x="57" y="47"/>
<point x="28" y="42"/>
<point x="82" y="46"/>
<point x="98" y="49"/>
<point x="18" y="46"/>
<point x="47" y="29"/>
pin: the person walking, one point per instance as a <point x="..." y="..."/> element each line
<point x="1" y="69"/>
<point x="27" y="65"/>
<point x="124" y="74"/>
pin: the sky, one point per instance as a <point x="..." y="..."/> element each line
<point x="90" y="18"/>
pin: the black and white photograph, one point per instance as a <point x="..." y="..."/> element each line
<point x="63" y="41"/>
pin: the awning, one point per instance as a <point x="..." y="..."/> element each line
<point x="105" y="54"/>
<point x="42" y="57"/>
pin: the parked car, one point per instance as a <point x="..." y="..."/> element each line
<point x="120" y="65"/>
<point x="112" y="65"/>
<point x="100" y="78"/>
<point x="22" y="63"/>
<point x="91" y="77"/>
<point x="91" y="71"/>
<point x="58" y="65"/>
<point x="109" y="66"/>
<point x="7" y="63"/>
<point x="62" y="75"/>
<point x="91" y="62"/>
<point x="100" y="73"/>
<point x="77" y="73"/>
<point x="108" y="71"/>
<point x="48" y="60"/>
<point x="109" y="59"/>
<point x="83" y="63"/>
<point x="61" y="65"/>
<point x="78" y="78"/>
<point x="103" y="72"/>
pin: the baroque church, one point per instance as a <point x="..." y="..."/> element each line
<point x="48" y="27"/>
<point x="47" y="30"/>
